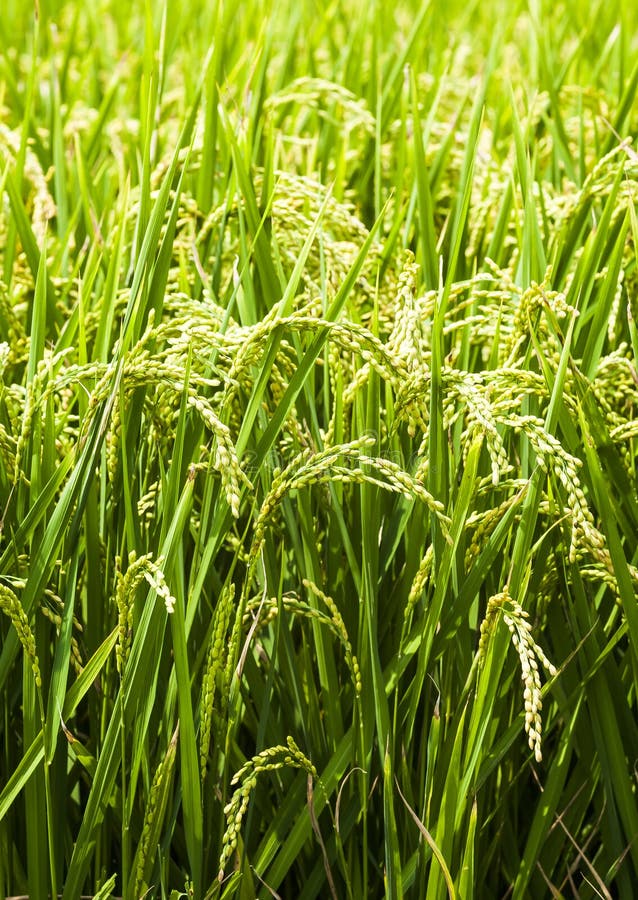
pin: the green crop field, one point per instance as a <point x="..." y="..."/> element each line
<point x="318" y="449"/>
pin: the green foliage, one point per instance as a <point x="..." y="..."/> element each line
<point x="318" y="449"/>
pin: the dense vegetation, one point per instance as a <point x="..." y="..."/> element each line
<point x="318" y="445"/>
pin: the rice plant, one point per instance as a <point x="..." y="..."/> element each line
<point x="318" y="449"/>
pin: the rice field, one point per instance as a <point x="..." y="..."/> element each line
<point x="318" y="449"/>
